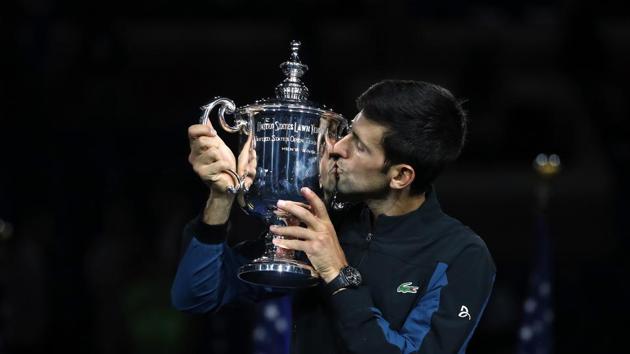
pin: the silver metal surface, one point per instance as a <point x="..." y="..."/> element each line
<point x="278" y="274"/>
<point x="275" y="106"/>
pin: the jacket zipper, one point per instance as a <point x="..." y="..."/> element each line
<point x="368" y="239"/>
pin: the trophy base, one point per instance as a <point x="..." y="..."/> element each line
<point x="278" y="274"/>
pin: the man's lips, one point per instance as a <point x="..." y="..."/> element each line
<point x="335" y="170"/>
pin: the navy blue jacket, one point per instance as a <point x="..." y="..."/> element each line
<point x="426" y="281"/>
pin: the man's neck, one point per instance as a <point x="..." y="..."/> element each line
<point x="396" y="203"/>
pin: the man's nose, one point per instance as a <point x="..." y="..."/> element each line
<point x="339" y="149"/>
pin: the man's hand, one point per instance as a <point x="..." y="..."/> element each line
<point x="318" y="239"/>
<point x="210" y="158"/>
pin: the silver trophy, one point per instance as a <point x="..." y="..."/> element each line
<point x="281" y="143"/>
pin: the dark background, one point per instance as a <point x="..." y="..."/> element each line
<point x="96" y="97"/>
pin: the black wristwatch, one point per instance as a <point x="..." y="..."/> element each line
<point x="348" y="278"/>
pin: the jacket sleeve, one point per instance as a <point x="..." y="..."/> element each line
<point x="442" y="321"/>
<point x="206" y="277"/>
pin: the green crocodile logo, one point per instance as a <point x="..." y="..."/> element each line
<point x="407" y="288"/>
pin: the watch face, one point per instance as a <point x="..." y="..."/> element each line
<point x="352" y="275"/>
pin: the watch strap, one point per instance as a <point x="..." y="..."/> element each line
<point x="348" y="277"/>
<point x="339" y="282"/>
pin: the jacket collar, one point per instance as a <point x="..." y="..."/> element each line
<point x="422" y="217"/>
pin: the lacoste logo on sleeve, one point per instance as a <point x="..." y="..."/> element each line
<point x="407" y="288"/>
<point x="463" y="313"/>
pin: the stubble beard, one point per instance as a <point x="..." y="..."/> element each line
<point x="330" y="192"/>
<point x="344" y="193"/>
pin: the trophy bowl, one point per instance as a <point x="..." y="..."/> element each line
<point x="281" y="142"/>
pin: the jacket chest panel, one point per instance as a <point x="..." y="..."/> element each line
<point x="395" y="285"/>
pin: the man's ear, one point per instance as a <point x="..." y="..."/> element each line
<point x="401" y="176"/>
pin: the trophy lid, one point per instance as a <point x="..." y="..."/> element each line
<point x="292" y="88"/>
<point x="291" y="93"/>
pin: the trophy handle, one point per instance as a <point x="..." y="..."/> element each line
<point x="240" y="125"/>
<point x="226" y="106"/>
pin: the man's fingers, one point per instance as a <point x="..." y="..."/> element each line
<point x="303" y="205"/>
<point x="209" y="156"/>
<point x="220" y="166"/>
<point x="204" y="142"/>
<point x="318" y="206"/>
<point x="212" y="171"/>
<point x="299" y="212"/>
<point x="292" y="231"/>
<point x="289" y="219"/>
<point x="297" y="245"/>
<point x="198" y="130"/>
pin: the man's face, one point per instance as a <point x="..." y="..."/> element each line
<point x="327" y="178"/>
<point x="356" y="162"/>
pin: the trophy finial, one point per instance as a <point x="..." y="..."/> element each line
<point x="295" y="46"/>
<point x="292" y="87"/>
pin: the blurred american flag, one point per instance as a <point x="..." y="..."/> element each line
<point x="272" y="326"/>
<point x="536" y="331"/>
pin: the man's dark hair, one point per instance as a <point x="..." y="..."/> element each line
<point x="425" y="126"/>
